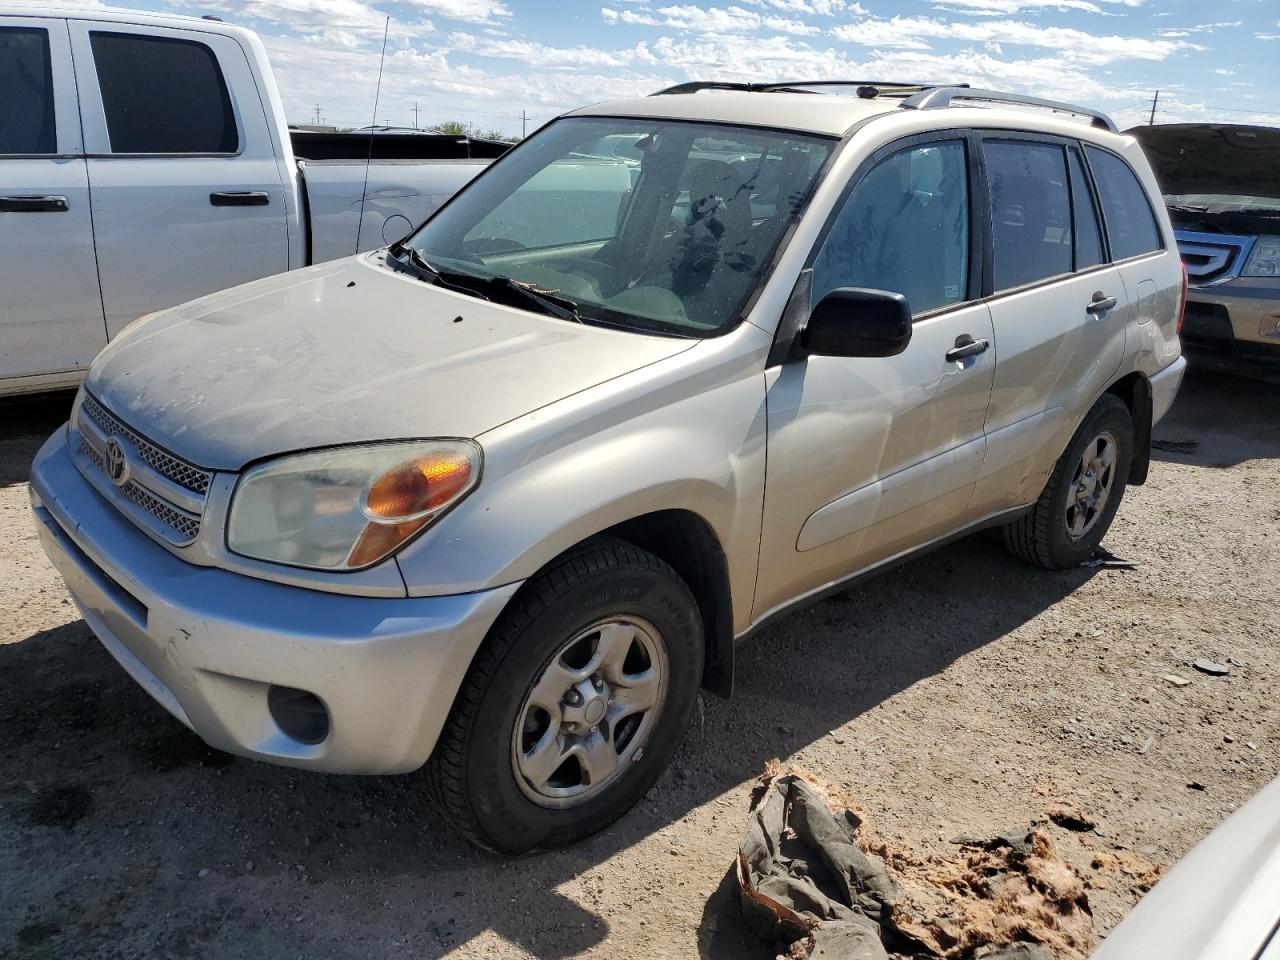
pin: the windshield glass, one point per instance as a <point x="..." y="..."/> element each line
<point x="656" y="224"/>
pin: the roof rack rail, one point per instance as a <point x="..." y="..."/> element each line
<point x="796" y="86"/>
<point x="940" y="97"/>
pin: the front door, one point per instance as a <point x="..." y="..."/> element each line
<point x="869" y="457"/>
<point x="188" y="197"/>
<point x="51" y="314"/>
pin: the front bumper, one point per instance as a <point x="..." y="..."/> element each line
<point x="1234" y="323"/>
<point x="209" y="644"/>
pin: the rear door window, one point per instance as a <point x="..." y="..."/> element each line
<point x="163" y="95"/>
<point x="1131" y="226"/>
<point x="1088" y="232"/>
<point x="905" y="228"/>
<point x="1030" y="211"/>
<point x="26" y="92"/>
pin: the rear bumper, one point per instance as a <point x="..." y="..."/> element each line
<point x="1164" y="388"/>
<point x="208" y="644"/>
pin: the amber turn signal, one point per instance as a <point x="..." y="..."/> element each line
<point x="417" y="487"/>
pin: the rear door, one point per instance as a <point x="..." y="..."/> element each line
<point x="51" y="313"/>
<point x="1059" y="310"/>
<point x="187" y="194"/>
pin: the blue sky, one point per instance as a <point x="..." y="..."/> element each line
<point x="485" y="61"/>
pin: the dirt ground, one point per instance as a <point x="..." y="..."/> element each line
<point x="957" y="695"/>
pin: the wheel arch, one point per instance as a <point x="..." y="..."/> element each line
<point x="1134" y="390"/>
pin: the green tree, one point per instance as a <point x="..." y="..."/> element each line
<point x="454" y="128"/>
<point x="498" y="135"/>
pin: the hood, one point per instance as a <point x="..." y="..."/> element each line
<point x="1213" y="158"/>
<point x="347" y="352"/>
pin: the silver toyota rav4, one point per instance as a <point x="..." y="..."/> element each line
<point x="505" y="495"/>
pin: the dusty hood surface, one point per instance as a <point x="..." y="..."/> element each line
<point x="343" y="353"/>
<point x="1213" y="158"/>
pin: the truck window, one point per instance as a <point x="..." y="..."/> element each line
<point x="26" y="107"/>
<point x="904" y="228"/>
<point x="163" y="95"/>
<point x="1131" y="226"/>
<point x="1088" y="233"/>
<point x="1030" y="211"/>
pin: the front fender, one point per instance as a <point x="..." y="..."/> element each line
<point x="690" y="437"/>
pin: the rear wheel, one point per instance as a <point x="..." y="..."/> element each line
<point x="1084" y="491"/>
<point x="576" y="702"/>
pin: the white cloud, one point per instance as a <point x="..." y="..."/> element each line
<point x="1073" y="45"/>
<point x="1005" y="7"/>
<point x="471" y="11"/>
<point x="711" y="20"/>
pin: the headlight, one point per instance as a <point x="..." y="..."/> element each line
<point x="348" y="507"/>
<point x="1264" y="261"/>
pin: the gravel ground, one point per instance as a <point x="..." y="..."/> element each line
<point x="959" y="694"/>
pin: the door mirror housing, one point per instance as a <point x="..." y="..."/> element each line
<point x="858" y="322"/>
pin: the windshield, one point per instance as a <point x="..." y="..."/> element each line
<point x="656" y="224"/>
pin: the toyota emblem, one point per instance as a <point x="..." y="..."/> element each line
<point x="117" y="463"/>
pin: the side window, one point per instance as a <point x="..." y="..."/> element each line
<point x="905" y="228"/>
<point x="163" y="95"/>
<point x="1131" y="226"/>
<point x="1030" y="211"/>
<point x="1087" y="232"/>
<point x="26" y="104"/>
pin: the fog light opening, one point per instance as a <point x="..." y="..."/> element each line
<point x="299" y="714"/>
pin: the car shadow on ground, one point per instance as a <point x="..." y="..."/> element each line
<point x="122" y="807"/>
<point x="1219" y="420"/>
<point x="141" y="840"/>
<point x="25" y="424"/>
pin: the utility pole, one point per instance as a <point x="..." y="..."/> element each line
<point x="1154" y="100"/>
<point x="524" y="119"/>
<point x="317" y="113"/>
<point x="415" y="114"/>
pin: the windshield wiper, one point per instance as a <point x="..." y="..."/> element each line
<point x="556" y="306"/>
<point x="410" y="260"/>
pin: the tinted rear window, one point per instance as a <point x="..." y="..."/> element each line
<point x="1030" y="211"/>
<point x="163" y="95"/>
<point x="26" y="92"/>
<point x="1131" y="226"/>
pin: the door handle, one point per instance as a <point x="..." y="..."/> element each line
<point x="1100" y="303"/>
<point x="33" y="205"/>
<point x="239" y="198"/>
<point x="965" y="348"/>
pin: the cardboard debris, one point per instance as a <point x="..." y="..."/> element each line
<point x="814" y="875"/>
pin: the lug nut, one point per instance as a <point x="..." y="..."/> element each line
<point x="573" y="698"/>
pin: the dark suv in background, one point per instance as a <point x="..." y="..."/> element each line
<point x="1221" y="183"/>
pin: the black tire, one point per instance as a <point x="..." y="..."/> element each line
<point x="472" y="770"/>
<point x="1041" y="536"/>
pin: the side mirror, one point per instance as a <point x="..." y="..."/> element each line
<point x="857" y="322"/>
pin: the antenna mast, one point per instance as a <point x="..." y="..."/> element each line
<point x="364" y="190"/>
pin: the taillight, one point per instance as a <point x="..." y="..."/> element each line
<point x="1182" y="300"/>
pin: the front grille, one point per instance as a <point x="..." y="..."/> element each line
<point x="154" y="493"/>
<point x="162" y="462"/>
<point x="1211" y="256"/>
<point x="184" y="525"/>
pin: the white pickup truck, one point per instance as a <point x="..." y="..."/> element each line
<point x="145" y="161"/>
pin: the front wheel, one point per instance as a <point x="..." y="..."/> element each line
<point x="576" y="702"/>
<point x="1084" y="491"/>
